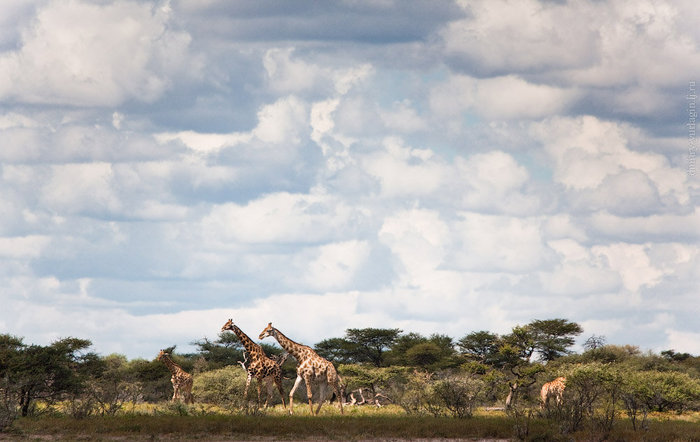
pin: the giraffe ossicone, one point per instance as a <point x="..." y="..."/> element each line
<point x="312" y="369"/>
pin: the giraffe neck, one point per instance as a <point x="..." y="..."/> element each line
<point x="172" y="366"/>
<point x="251" y="347"/>
<point x="293" y="348"/>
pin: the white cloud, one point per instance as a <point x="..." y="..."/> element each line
<point x="593" y="155"/>
<point x="82" y="53"/>
<point x="284" y="121"/>
<point x="334" y="266"/>
<point x="499" y="98"/>
<point x="652" y="226"/>
<point x="579" y="271"/>
<point x="493" y="180"/>
<point x="202" y="142"/>
<point x="688" y="341"/>
<point x="326" y="183"/>
<point x="499" y="243"/>
<point x="564" y="226"/>
<point x="632" y="263"/>
<point x="287" y="75"/>
<point x="496" y="37"/>
<point x="597" y="44"/>
<point x="23" y="247"/>
<point x="403" y="118"/>
<point x="628" y="34"/>
<point x="281" y="218"/>
<point x="418" y="239"/>
<point x="74" y="188"/>
<point x="629" y="192"/>
<point x="292" y="75"/>
<point x="404" y="171"/>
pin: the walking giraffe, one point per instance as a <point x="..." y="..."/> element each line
<point x="181" y="380"/>
<point x="311" y="368"/>
<point x="554" y="389"/>
<point x="261" y="367"/>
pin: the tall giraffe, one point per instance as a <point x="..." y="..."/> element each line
<point x="182" y="381"/>
<point x="312" y="368"/>
<point x="554" y="389"/>
<point x="261" y="367"/>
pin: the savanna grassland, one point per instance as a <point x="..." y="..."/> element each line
<point x="200" y="422"/>
<point x="396" y="386"/>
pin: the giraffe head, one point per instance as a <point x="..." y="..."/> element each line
<point x="228" y="325"/>
<point x="267" y="332"/>
<point x="162" y="354"/>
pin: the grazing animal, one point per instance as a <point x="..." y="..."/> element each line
<point x="181" y="380"/>
<point x="261" y="367"/>
<point x="553" y="389"/>
<point x="311" y="368"/>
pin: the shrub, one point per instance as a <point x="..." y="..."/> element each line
<point x="459" y="394"/>
<point x="672" y="391"/>
<point x="589" y="388"/>
<point x="223" y="387"/>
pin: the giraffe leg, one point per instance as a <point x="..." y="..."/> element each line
<point x="336" y="388"/>
<point x="291" y="394"/>
<point x="268" y="390"/>
<point x="247" y="384"/>
<point x="309" y="393"/>
<point x="322" y="392"/>
<point x="278" y="381"/>
<point x="258" y="385"/>
<point x="188" y="392"/>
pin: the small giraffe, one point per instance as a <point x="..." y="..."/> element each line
<point x="312" y="368"/>
<point x="261" y="367"/>
<point x="182" y="381"/>
<point x="554" y="389"/>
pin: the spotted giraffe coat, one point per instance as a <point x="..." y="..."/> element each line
<point x="260" y="366"/>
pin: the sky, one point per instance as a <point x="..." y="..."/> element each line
<point x="433" y="166"/>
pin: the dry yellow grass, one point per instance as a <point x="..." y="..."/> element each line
<point x="206" y="422"/>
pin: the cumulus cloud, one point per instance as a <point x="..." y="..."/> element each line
<point x="593" y="157"/>
<point x="83" y="53"/>
<point x="499" y="243"/>
<point x="638" y="51"/>
<point x="224" y="161"/>
<point x="494" y="181"/>
<point x="503" y="97"/>
<point x="403" y="170"/>
<point x="579" y="271"/>
<point x="281" y="218"/>
<point x="495" y="37"/>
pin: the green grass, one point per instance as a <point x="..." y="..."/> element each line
<point x="210" y="423"/>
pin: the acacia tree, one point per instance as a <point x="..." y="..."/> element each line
<point x="226" y="350"/>
<point x="513" y="353"/>
<point x="359" y="345"/>
<point x="50" y="372"/>
<point x="552" y="337"/>
<point x="371" y="343"/>
<point x="481" y="346"/>
<point x="338" y="350"/>
<point x="10" y="348"/>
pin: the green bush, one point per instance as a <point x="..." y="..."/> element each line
<point x="672" y="391"/>
<point x="459" y="394"/>
<point x="590" y="398"/>
<point x="223" y="387"/>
